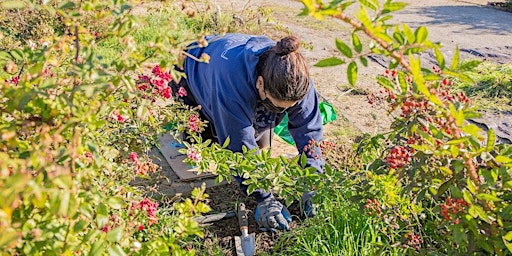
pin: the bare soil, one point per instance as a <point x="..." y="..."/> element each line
<point x="467" y="24"/>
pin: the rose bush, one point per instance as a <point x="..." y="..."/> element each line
<point x="76" y="132"/>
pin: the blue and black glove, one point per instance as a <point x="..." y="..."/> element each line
<point x="307" y="201"/>
<point x="271" y="215"/>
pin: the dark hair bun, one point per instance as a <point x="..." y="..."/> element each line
<point x="287" y="45"/>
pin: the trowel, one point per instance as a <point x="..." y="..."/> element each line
<point x="244" y="244"/>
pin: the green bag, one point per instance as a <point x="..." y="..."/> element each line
<point x="326" y="111"/>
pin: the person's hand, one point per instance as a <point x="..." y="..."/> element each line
<point x="307" y="201"/>
<point x="270" y="215"/>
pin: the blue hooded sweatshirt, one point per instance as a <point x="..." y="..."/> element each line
<point x="226" y="90"/>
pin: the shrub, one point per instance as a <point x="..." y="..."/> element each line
<point x="75" y="133"/>
<point x="451" y="173"/>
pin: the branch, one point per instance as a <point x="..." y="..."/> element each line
<point x="394" y="54"/>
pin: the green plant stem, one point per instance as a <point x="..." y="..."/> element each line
<point x="388" y="47"/>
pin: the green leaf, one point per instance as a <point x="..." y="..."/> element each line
<point x="12" y="5"/>
<point x="398" y="36"/>
<point x="364" y="18"/>
<point x="503" y="159"/>
<point x="488" y="197"/>
<point x="471" y="186"/>
<point x="352" y="73"/>
<point x="97" y="248"/>
<point x="115" y="202"/>
<point x="370" y="4"/>
<point x="116" y="250"/>
<point x="445" y="170"/>
<point x="356" y="42"/>
<point x="343" y="48"/>
<point x="17" y="54"/>
<point x="390" y="6"/>
<point x="329" y="62"/>
<point x="226" y="143"/>
<point x="467" y="197"/>
<point x="439" y="58"/>
<point x="421" y="34"/>
<point x="508" y="245"/>
<point x="79" y="226"/>
<point x="455" y="59"/>
<point x="67" y="5"/>
<point x="303" y="160"/>
<point x="115" y="234"/>
<point x="470" y="65"/>
<point x="64" y="203"/>
<point x="384" y="82"/>
<point x="36" y="69"/>
<point x="491" y="139"/>
<point x="454" y="150"/>
<point x="364" y="61"/>
<point x="477" y="211"/>
<point x="459" y="236"/>
<point x="408" y="33"/>
<point x="472" y="129"/>
<point x="508" y="236"/>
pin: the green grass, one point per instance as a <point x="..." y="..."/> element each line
<point x="339" y="229"/>
<point x="492" y="89"/>
<point x="164" y="23"/>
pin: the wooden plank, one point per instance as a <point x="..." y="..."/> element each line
<point x="169" y="148"/>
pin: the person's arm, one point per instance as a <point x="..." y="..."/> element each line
<point x="305" y="124"/>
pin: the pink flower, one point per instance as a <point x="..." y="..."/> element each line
<point x="193" y="155"/>
<point x="120" y="118"/>
<point x="143" y="87"/>
<point x="166" y="92"/>
<point x="15" y="80"/>
<point x="159" y="84"/>
<point x="182" y="92"/>
<point x="150" y="208"/>
<point x="193" y="122"/>
<point x="157" y="70"/>
<point x="134" y="157"/>
<point x="106" y="228"/>
<point x="165" y="76"/>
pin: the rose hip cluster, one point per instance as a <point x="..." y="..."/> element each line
<point x="412" y="241"/>
<point x="416" y="105"/>
<point x="372" y="207"/>
<point x="312" y="148"/>
<point x="399" y="156"/>
<point x="452" y="207"/>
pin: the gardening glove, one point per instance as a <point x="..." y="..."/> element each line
<point x="270" y="215"/>
<point x="307" y="201"/>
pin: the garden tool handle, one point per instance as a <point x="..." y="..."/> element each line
<point x="243" y="219"/>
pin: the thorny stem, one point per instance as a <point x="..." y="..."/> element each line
<point x="399" y="57"/>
